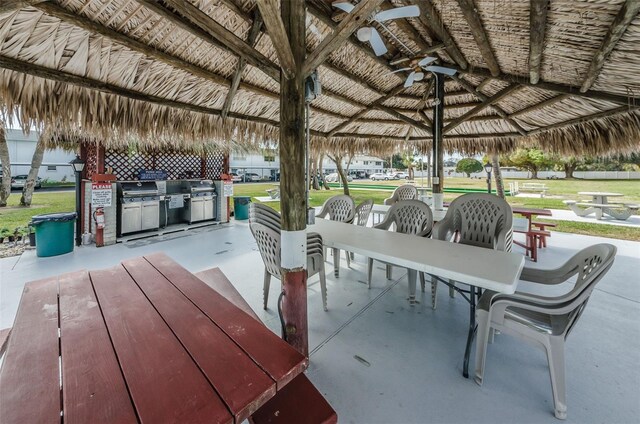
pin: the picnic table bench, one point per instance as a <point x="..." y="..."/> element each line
<point x="535" y="232"/>
<point x="535" y="188"/>
<point x="274" y="193"/>
<point x="145" y="341"/>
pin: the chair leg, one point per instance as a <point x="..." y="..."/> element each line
<point x="482" y="336"/>
<point x="422" y="283"/>
<point x="555" y="356"/>
<point x="348" y="256"/>
<point x="353" y="256"/>
<point x="412" y="275"/>
<point x="323" y="287"/>
<point x="369" y="271"/>
<point x="389" y="272"/>
<point x="434" y="293"/>
<point x="452" y="292"/>
<point x="265" y="288"/>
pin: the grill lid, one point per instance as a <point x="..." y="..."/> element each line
<point x="139" y="188"/>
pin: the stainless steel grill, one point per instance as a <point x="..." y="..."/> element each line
<point x="139" y="206"/>
<point x="201" y="204"/>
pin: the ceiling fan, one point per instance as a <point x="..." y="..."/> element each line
<point x="417" y="66"/>
<point x="370" y="34"/>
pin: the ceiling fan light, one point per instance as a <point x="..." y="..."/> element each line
<point x="364" y="34"/>
<point x="418" y="76"/>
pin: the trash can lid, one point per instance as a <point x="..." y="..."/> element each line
<point x="60" y="217"/>
<point x="242" y="197"/>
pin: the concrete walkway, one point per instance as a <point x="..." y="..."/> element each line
<point x="378" y="360"/>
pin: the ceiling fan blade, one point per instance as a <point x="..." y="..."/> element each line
<point x="441" y="70"/>
<point x="410" y="78"/>
<point x="376" y="43"/>
<point x="427" y="60"/>
<point x="343" y="5"/>
<point x="398" y="70"/>
<point x="397" y="13"/>
<point x="364" y="33"/>
<point x="396" y="61"/>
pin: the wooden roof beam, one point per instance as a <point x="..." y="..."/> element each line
<point x="472" y="17"/>
<point x="485" y="104"/>
<point x="408" y="120"/>
<point x="341" y="33"/>
<point x="431" y="19"/>
<point x="471" y="89"/>
<point x="537" y="25"/>
<point x="540" y="105"/>
<point x="201" y="25"/>
<point x="551" y="86"/>
<point x="237" y="76"/>
<point x="270" y="10"/>
<point x="617" y="29"/>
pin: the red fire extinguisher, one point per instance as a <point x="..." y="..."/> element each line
<point x="98" y="217"/>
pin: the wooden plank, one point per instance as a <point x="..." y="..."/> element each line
<point x="270" y="11"/>
<point x="537" y="25"/>
<point x="240" y="383"/>
<point x="472" y="17"/>
<point x="93" y="388"/>
<point x="164" y="382"/>
<point x="270" y="352"/>
<point x="485" y="104"/>
<point x="624" y="17"/>
<point x="343" y="31"/>
<point x="215" y="278"/>
<point x="29" y="378"/>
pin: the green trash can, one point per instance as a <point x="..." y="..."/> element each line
<point x="241" y="207"/>
<point x="54" y="233"/>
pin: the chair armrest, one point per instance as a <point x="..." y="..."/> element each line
<point x="442" y="230"/>
<point x="324" y="212"/>
<point x="549" y="276"/>
<point x="385" y="224"/>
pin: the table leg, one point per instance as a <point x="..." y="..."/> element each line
<point x="336" y="262"/>
<point x="472" y="330"/>
<point x="412" y="276"/>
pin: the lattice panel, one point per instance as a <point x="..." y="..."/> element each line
<point x="90" y="151"/>
<point x="178" y="165"/>
<point x="214" y="166"/>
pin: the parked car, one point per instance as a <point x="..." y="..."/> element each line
<point x="400" y="176"/>
<point x="379" y="176"/>
<point x="334" y="177"/>
<point x="250" y="177"/>
<point x="235" y="177"/>
<point x="20" y="180"/>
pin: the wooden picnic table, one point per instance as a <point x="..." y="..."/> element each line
<point x="145" y="341"/>
<point x="531" y="234"/>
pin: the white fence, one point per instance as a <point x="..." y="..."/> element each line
<point x="587" y="175"/>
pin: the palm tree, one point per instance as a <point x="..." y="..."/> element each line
<point x="5" y="187"/>
<point x="36" y="161"/>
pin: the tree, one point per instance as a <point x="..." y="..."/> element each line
<point x="36" y="161"/>
<point x="495" y="164"/>
<point x="469" y="166"/>
<point x="407" y="161"/>
<point x="568" y="164"/>
<point x="5" y="187"/>
<point x="532" y="160"/>
<point x="337" y="159"/>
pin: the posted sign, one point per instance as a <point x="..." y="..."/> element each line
<point x="100" y="195"/>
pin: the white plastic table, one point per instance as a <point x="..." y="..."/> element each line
<point x="479" y="268"/>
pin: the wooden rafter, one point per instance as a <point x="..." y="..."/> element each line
<point x="472" y="17"/>
<point x="551" y="86"/>
<point x="270" y="11"/>
<point x="408" y="120"/>
<point x="11" y="5"/>
<point x="540" y="105"/>
<point x="469" y="87"/>
<point x="537" y="25"/>
<point x="627" y="13"/>
<point x="430" y="18"/>
<point x="485" y="104"/>
<point x="237" y="76"/>
<point x="200" y="24"/>
<point x="342" y="32"/>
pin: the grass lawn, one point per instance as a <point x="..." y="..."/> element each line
<point x="14" y="216"/>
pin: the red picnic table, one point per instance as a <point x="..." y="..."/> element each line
<point x="534" y="237"/>
<point x="145" y="341"/>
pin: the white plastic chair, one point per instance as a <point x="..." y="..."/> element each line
<point x="545" y="321"/>
<point x="403" y="192"/>
<point x="363" y="210"/>
<point x="476" y="219"/>
<point x="340" y="208"/>
<point x="408" y="217"/>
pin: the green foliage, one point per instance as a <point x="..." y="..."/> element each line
<point x="469" y="166"/>
<point x="532" y="160"/>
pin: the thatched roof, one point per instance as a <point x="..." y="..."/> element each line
<point x="155" y="71"/>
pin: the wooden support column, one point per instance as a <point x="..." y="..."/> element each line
<point x="293" y="203"/>
<point x="438" y="121"/>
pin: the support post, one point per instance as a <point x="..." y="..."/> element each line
<point x="292" y="183"/>
<point x="438" y="154"/>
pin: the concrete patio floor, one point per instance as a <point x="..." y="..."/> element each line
<point x="378" y="360"/>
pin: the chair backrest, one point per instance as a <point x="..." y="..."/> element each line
<point x="363" y="210"/>
<point x="403" y="192"/>
<point x="268" y="241"/>
<point x="339" y="208"/>
<point x="261" y="214"/>
<point x="261" y="209"/>
<point x="411" y="217"/>
<point x="480" y="219"/>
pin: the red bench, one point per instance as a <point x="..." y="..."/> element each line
<point x="299" y="401"/>
<point x="4" y="339"/>
<point x="542" y="226"/>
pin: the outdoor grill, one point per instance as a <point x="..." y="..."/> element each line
<point x="200" y="206"/>
<point x="139" y="206"/>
